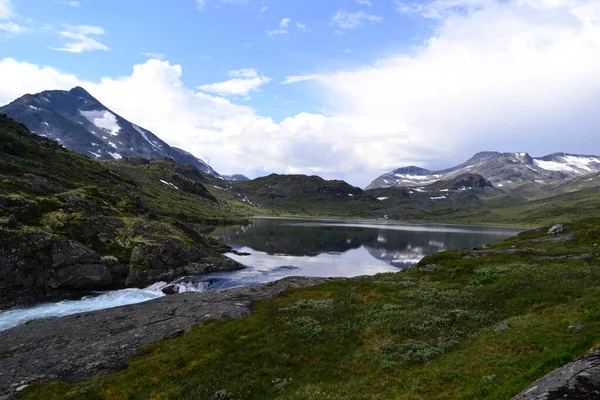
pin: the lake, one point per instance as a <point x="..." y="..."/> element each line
<point x="280" y="247"/>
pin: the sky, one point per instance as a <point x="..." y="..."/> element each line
<point x="344" y="89"/>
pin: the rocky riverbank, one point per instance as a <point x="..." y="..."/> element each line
<point x="82" y="346"/>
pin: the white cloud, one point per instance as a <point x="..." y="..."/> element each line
<point x="6" y="10"/>
<point x="244" y="81"/>
<point x="301" y="78"/>
<point x="263" y="9"/>
<point x="512" y="75"/>
<point x="274" y="32"/>
<point x="13" y="29"/>
<point x="69" y="3"/>
<point x="284" y="23"/>
<point x="158" y="56"/>
<point x="350" y="20"/>
<point x="202" y="3"/>
<point x="80" y="40"/>
<point x="284" y="27"/>
<point x="9" y="28"/>
<point x="364" y="2"/>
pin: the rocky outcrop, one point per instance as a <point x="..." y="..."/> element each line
<point x="578" y="380"/>
<point x="145" y="277"/>
<point x="36" y="264"/>
<point x="82" y="346"/>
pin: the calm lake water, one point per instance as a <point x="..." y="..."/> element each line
<point x="280" y="247"/>
<point x="293" y="247"/>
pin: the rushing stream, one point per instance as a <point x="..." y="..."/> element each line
<point x="279" y="247"/>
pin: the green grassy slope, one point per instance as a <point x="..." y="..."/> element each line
<point x="428" y="332"/>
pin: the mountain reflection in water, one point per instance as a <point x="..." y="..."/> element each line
<point x="327" y="247"/>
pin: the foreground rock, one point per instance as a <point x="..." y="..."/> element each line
<point x="36" y="266"/>
<point x="85" y="345"/>
<point x="577" y="380"/>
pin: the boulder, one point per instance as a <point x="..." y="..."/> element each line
<point x="556" y="229"/>
<point x="579" y="379"/>
<point x="170" y="289"/>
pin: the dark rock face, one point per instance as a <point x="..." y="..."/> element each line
<point x="85" y="345"/>
<point x="578" y="380"/>
<point x="40" y="263"/>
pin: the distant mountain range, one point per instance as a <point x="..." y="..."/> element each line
<point x="236" y="178"/>
<point x="501" y="169"/>
<point x="81" y="123"/>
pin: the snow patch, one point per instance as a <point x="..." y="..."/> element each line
<point x="382" y="198"/>
<point x="94" y="154"/>
<point x="103" y="120"/>
<point x="554" y="166"/>
<point x="350" y="195"/>
<point x="34" y="108"/>
<point x="111" y="144"/>
<point x="438" y="198"/>
<point x="116" y="156"/>
<point x="141" y="132"/>
<point x="169" y="184"/>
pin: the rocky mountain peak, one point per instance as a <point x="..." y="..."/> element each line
<point x="83" y="124"/>
<point x="501" y="169"/>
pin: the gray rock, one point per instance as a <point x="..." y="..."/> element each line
<point x="556" y="229"/>
<point x="170" y="289"/>
<point x="575" y="328"/>
<point x="577" y="380"/>
<point x="82" y="346"/>
<point x="502" y="327"/>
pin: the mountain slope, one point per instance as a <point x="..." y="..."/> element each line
<point x="70" y="223"/>
<point x="499" y="168"/>
<point x="81" y="123"/>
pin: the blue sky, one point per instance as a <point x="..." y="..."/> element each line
<point x="219" y="37"/>
<point x="340" y="88"/>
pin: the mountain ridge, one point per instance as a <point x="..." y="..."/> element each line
<point x="83" y="124"/>
<point x="499" y="168"/>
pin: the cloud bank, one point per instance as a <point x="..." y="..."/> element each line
<point x="511" y="75"/>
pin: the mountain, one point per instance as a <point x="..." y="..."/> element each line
<point x="236" y="178"/>
<point x="500" y="169"/>
<point x="81" y="123"/>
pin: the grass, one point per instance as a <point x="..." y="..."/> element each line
<point x="406" y="335"/>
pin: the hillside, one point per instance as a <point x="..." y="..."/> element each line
<point x="69" y="223"/>
<point x="475" y="324"/>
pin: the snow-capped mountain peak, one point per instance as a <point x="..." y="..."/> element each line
<point x="501" y="169"/>
<point x="81" y="123"/>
